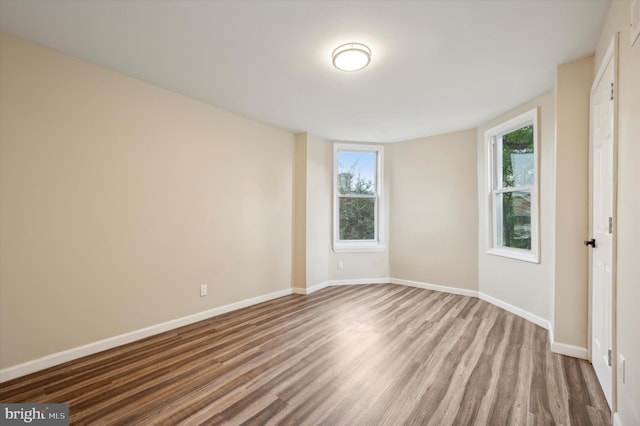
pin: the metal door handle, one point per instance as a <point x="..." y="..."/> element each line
<point x="591" y="242"/>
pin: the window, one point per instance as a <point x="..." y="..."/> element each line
<point x="357" y="198"/>
<point x="513" y="192"/>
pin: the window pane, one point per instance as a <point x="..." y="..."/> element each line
<point x="357" y="172"/>
<point x="357" y="218"/>
<point x="515" y="226"/>
<point x="517" y="158"/>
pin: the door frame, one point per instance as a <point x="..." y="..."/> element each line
<point x="611" y="55"/>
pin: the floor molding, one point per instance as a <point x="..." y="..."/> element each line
<point x="359" y="281"/>
<point x="317" y="287"/>
<point x="616" y="419"/>
<point x="557" y="347"/>
<point x="517" y="311"/>
<point x="112" y="342"/>
<point x="561" y="348"/>
<point x="569" y="350"/>
<point x="435" y="287"/>
<point x="91" y="348"/>
<point x="358" y="353"/>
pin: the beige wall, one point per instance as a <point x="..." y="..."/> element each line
<point x="359" y="266"/>
<point x="573" y="85"/>
<point x="120" y="198"/>
<point x="434" y="225"/>
<point x="528" y="286"/>
<point x="318" y="209"/>
<point x="300" y="212"/>
<point x="628" y="214"/>
<point x="312" y="211"/>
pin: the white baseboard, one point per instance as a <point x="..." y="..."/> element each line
<point x="317" y="287"/>
<point x="616" y="419"/>
<point x="560" y="348"/>
<point x="569" y="350"/>
<point x="361" y="281"/>
<point x="566" y="349"/>
<point x="453" y="290"/>
<point x="517" y="311"/>
<point x="563" y="349"/>
<point x="435" y="287"/>
<point x="112" y="342"/>
<point x="75" y="353"/>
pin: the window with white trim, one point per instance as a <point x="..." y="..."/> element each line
<point x="357" y="190"/>
<point x="513" y="188"/>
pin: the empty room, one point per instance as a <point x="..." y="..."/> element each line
<point x="320" y="212"/>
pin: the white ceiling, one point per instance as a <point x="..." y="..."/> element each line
<point x="437" y="66"/>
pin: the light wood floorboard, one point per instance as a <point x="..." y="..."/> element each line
<point x="350" y="355"/>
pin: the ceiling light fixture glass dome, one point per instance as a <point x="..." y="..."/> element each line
<point x="351" y="57"/>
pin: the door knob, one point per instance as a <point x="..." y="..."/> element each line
<point x="591" y="242"/>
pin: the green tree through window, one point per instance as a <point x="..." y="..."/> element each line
<point x="513" y="207"/>
<point x="357" y="195"/>
<point x="517" y="170"/>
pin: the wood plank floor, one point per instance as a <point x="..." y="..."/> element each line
<point x="353" y="355"/>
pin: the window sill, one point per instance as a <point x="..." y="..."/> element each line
<point x="517" y="254"/>
<point x="359" y="248"/>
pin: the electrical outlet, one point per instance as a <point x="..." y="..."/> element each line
<point x="621" y="368"/>
<point x="340" y="264"/>
<point x="203" y="290"/>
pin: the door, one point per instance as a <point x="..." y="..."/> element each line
<point x="603" y="199"/>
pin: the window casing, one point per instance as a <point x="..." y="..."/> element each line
<point x="512" y="149"/>
<point x="357" y="198"/>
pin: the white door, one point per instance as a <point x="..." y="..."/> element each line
<point x="602" y="155"/>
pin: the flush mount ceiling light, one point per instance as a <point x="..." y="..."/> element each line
<point x="351" y="57"/>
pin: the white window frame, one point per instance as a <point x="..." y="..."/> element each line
<point x="492" y="141"/>
<point x="355" y="246"/>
